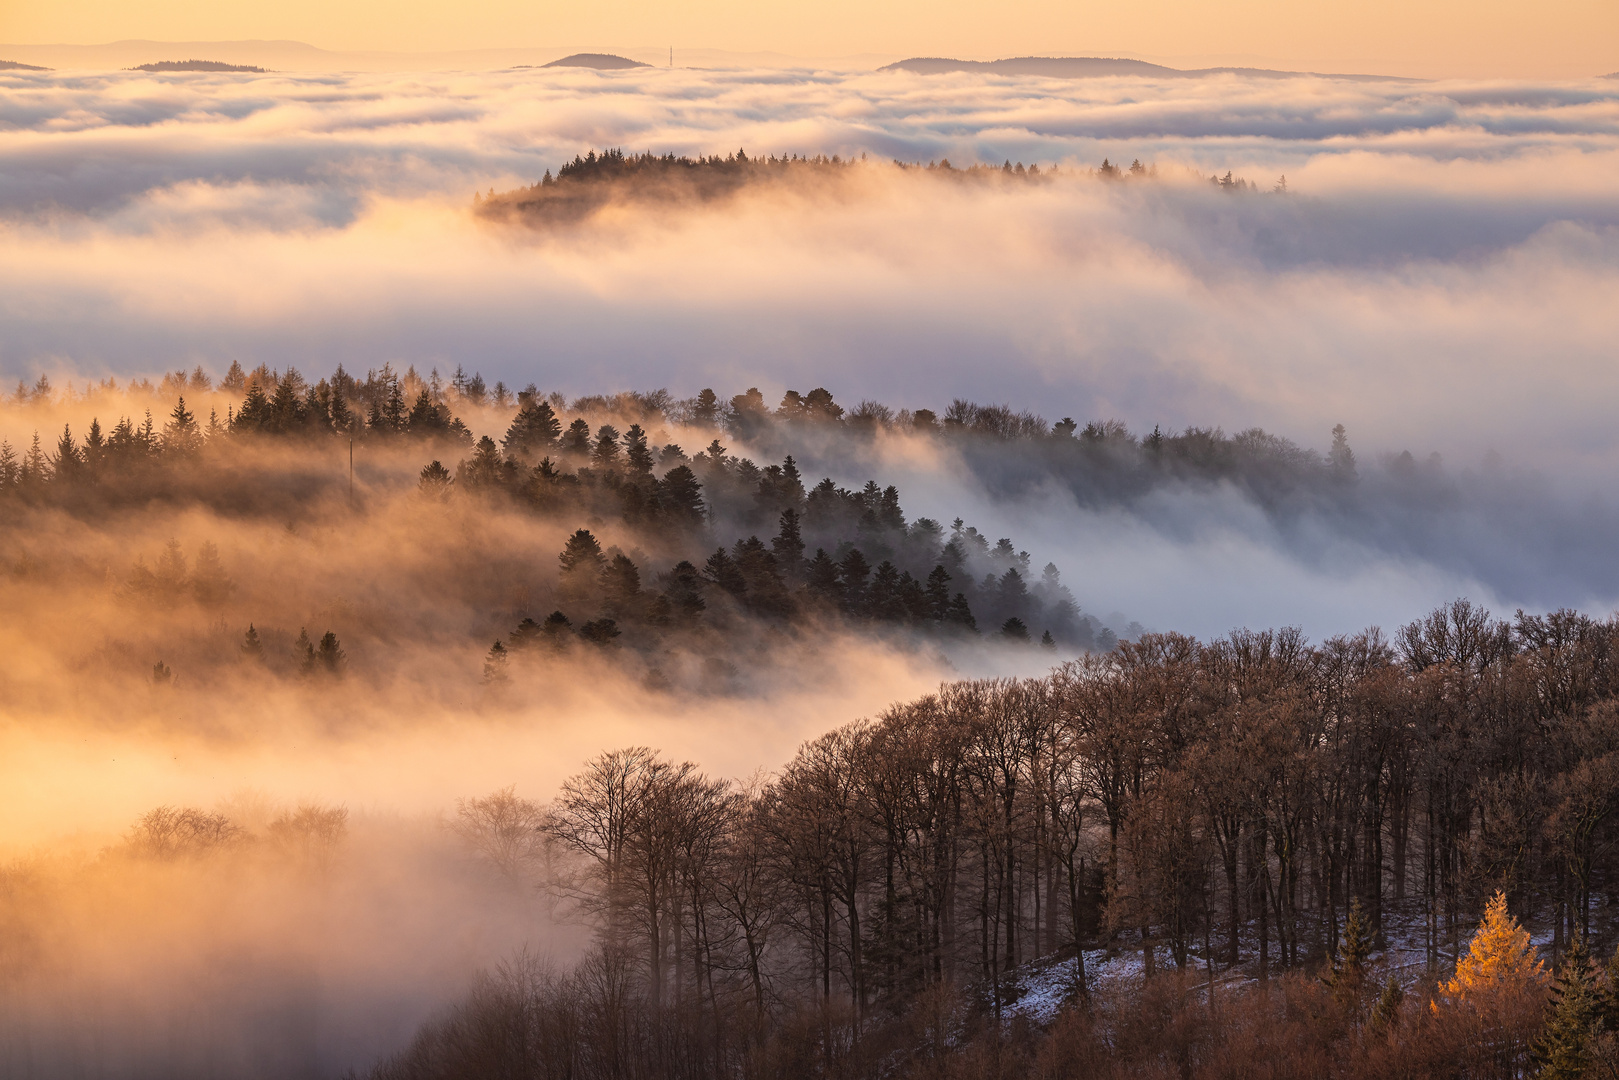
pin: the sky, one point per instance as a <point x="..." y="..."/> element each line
<point x="1426" y="38"/>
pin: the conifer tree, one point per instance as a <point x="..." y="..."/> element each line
<point x="637" y="458"/>
<point x="723" y="571"/>
<point x="821" y="576"/>
<point x="303" y="652"/>
<point x="10" y="470"/>
<point x="495" y="664"/>
<point x="534" y="431"/>
<point x="706" y="411"/>
<point x="788" y="543"/>
<point x="252" y="648"/>
<point x="605" y="453"/>
<point x="181" y="435"/>
<point x="1348" y="975"/>
<point x="1501" y="955"/>
<point x="684" y="592"/>
<point x="1563" y="1051"/>
<point x="576" y="441"/>
<point x="435" y="480"/>
<point x="67" y="463"/>
<point x="582" y="553"/>
<point x="557" y="629"/>
<point x="35" y="469"/>
<point x="680" y="497"/>
<point x="330" y="655"/>
<point x="1386" y="1013"/>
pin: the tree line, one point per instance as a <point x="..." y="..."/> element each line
<point x="1250" y="807"/>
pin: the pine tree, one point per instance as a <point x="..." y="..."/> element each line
<point x="1048" y="642"/>
<point x="1348" y="975"/>
<point x="621" y="585"/>
<point x="303" y="652"/>
<point x="10" y="470"/>
<point x="533" y="432"/>
<point x="723" y="571"/>
<point x="35" y="469"/>
<point x="254" y="415"/>
<point x="601" y="632"/>
<point x="527" y="635"/>
<point x="788" y="543"/>
<point x="1014" y="630"/>
<point x="181" y="435"/>
<point x="67" y="463"/>
<point x="1386" y="1013"/>
<point x="680" y="497"/>
<point x="576" y="441"/>
<point x="706" y="410"/>
<point x="252" y="648"/>
<point x="342" y="417"/>
<point x="961" y="614"/>
<point x="209" y="583"/>
<point x="1563" y="1051"/>
<point x="495" y="664"/>
<point x="637" y="458"/>
<point x="1501" y="955"/>
<point x="821" y="576"/>
<point x="582" y="553"/>
<point x="938" y="594"/>
<point x="683" y="590"/>
<point x="1341" y="459"/>
<point x="330" y="655"/>
<point x="853" y="570"/>
<point x="435" y="480"/>
<point x="605" y="454"/>
<point x="557" y="630"/>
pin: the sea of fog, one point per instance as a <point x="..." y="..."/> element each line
<point x="1438" y="276"/>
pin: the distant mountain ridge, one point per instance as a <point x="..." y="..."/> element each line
<point x="598" y="61"/>
<point x="1089" y="67"/>
<point x="12" y="65"/>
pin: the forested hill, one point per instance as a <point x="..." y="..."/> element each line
<point x="584" y="185"/>
<point x="709" y="514"/>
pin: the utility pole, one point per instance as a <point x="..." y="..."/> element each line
<point x="351" y="471"/>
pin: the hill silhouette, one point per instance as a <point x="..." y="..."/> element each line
<point x="12" y="65"/>
<point x="195" y="65"/>
<point x="599" y="61"/>
<point x="1085" y="67"/>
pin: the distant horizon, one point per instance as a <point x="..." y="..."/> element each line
<point x="651" y="55"/>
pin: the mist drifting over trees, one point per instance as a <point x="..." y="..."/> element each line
<point x="1140" y="617"/>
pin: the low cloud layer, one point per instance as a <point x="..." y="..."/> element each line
<point x="1438" y="278"/>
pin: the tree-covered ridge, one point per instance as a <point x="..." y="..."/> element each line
<point x="668" y="550"/>
<point x="586" y="184"/>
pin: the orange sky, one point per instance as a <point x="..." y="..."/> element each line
<point x="1552" y="38"/>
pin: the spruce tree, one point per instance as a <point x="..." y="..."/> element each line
<point x="303" y="652"/>
<point x="252" y="648"/>
<point x="1564" y="1049"/>
<point x="637" y="458"/>
<point x="1386" y="1013"/>
<point x="557" y="630"/>
<point x="1348" y="975"/>
<point x="495" y="664"/>
<point x="182" y="434"/>
<point x="330" y="655"/>
<point x="821" y="576"/>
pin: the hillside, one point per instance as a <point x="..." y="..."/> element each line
<point x="196" y="65"/>
<point x="598" y="61"/>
